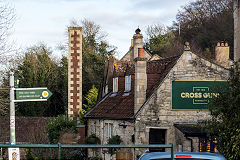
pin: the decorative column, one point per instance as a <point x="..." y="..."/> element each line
<point x="74" y="72"/>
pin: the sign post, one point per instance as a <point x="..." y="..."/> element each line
<point x="22" y="95"/>
<point x="12" y="110"/>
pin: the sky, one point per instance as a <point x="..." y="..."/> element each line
<point x="46" y="21"/>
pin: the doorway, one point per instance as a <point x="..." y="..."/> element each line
<point x="157" y="136"/>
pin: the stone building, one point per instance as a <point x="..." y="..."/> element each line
<point x="148" y="100"/>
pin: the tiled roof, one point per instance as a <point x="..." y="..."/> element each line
<point x="120" y="105"/>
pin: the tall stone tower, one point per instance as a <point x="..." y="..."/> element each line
<point x="236" y="16"/>
<point x="74" y="72"/>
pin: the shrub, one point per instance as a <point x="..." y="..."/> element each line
<point x="57" y="125"/>
<point x="30" y="156"/>
<point x="93" y="139"/>
<point x="76" y="154"/>
<point x="114" y="140"/>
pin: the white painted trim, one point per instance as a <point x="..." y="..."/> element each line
<point x="30" y="88"/>
<point x="27" y="100"/>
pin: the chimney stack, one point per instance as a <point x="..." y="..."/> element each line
<point x="222" y="52"/>
<point x="236" y="16"/>
<point x="140" y="85"/>
<point x="74" y="72"/>
<point x="137" y="42"/>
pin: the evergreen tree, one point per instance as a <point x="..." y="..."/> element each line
<point x="162" y="41"/>
<point x="95" y="50"/>
<point x="225" y="111"/>
<point x="39" y="70"/>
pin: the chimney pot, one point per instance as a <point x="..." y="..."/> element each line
<point x="140" y="52"/>
<point x="222" y="53"/>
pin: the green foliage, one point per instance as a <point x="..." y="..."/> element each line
<point x="204" y="22"/>
<point x="93" y="139"/>
<point x="38" y="69"/>
<point x="95" y="50"/>
<point x="225" y="111"/>
<point x="29" y="155"/>
<point x="57" y="125"/>
<point x="75" y="155"/>
<point x="63" y="83"/>
<point x="114" y="140"/>
<point x="90" y="100"/>
<point x="161" y="41"/>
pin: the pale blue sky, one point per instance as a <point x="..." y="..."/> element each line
<point x="47" y="20"/>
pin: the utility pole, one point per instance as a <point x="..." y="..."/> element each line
<point x="12" y="110"/>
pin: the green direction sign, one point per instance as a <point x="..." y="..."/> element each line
<point x="195" y="94"/>
<point x="32" y="94"/>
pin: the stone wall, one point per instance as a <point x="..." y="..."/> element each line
<point x="125" y="129"/>
<point x="157" y="111"/>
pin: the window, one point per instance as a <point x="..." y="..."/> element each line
<point x="208" y="144"/>
<point x="108" y="131"/>
<point x="127" y="83"/>
<point x="92" y="128"/>
<point x="115" y="84"/>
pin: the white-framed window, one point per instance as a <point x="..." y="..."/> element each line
<point x="115" y="84"/>
<point x="127" y="83"/>
<point x="108" y="131"/>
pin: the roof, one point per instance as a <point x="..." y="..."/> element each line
<point x="121" y="105"/>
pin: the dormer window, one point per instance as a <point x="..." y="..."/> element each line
<point x="115" y="85"/>
<point x="127" y="83"/>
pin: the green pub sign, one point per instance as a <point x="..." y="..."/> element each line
<point x="195" y="94"/>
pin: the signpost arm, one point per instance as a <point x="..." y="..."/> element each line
<point x="12" y="110"/>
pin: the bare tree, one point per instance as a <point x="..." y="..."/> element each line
<point x="7" y="18"/>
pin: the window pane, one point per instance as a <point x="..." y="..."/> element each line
<point x="116" y="84"/>
<point x="106" y="129"/>
<point x="129" y="82"/>
<point x="111" y="130"/>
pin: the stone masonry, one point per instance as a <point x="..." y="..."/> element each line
<point x="157" y="111"/>
<point x="140" y="80"/>
<point x="74" y="72"/>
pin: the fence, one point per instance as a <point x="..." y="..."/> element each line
<point x="59" y="146"/>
